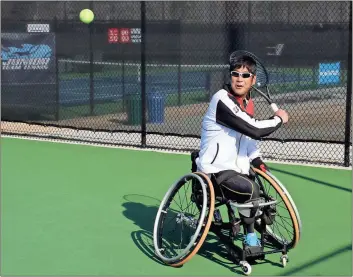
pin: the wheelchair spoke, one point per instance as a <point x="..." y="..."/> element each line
<point x="283" y="219"/>
<point x="170" y="219"/>
<point x="188" y="233"/>
<point x="194" y="208"/>
<point x="181" y="203"/>
<point x="181" y="236"/>
<point x="187" y="207"/>
<point x="284" y="208"/>
<point x="281" y="201"/>
<point x="278" y="228"/>
<point x="268" y="189"/>
<point x="285" y="227"/>
<point x="185" y="191"/>
<point x="278" y="215"/>
<point x="281" y="225"/>
<point x="265" y="184"/>
<point x="172" y="231"/>
<point x="281" y="236"/>
<point x="177" y="204"/>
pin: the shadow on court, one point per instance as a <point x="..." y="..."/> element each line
<point x="312" y="179"/>
<point x="140" y="210"/>
<point x="319" y="260"/>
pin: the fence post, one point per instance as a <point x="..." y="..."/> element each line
<point x="91" y="84"/>
<point x="179" y="63"/>
<point x="57" y="108"/>
<point x="179" y="83"/>
<point x="349" y="93"/>
<point x="143" y="73"/>
<point x="249" y="25"/>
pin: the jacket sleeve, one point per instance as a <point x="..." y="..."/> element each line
<point x="255" y="156"/>
<point x="230" y="115"/>
<point x="253" y="150"/>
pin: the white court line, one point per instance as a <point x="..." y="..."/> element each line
<point x="179" y="152"/>
<point x="311" y="165"/>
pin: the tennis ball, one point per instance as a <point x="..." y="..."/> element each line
<point x="86" y="16"/>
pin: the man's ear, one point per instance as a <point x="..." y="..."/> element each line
<point x="254" y="80"/>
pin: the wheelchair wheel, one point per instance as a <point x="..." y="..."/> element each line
<point x="285" y="226"/>
<point x="183" y="219"/>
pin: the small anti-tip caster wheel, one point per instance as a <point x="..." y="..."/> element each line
<point x="284" y="260"/>
<point x="246" y="267"/>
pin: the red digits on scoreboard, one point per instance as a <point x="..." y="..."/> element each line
<point x="125" y="35"/>
<point x="113" y="35"/>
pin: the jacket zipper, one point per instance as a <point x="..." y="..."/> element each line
<point x="216" y="153"/>
<point x="236" y="162"/>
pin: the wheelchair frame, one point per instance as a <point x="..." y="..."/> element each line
<point x="243" y="255"/>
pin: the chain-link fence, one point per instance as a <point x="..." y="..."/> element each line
<point x="142" y="73"/>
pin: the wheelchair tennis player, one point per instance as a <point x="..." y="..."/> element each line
<point x="228" y="139"/>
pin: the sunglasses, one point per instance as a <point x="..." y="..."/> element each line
<point x="242" y="74"/>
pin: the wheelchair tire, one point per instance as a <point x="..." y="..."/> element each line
<point x="206" y="210"/>
<point x="290" y="206"/>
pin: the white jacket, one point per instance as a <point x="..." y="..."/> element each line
<point x="228" y="135"/>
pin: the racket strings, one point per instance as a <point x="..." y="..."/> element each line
<point x="261" y="77"/>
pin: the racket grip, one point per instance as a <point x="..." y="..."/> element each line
<point x="274" y="107"/>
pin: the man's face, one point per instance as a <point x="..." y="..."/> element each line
<point x="240" y="85"/>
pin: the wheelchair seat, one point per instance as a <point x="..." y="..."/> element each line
<point x="194" y="155"/>
<point x="217" y="189"/>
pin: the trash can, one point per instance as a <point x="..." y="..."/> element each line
<point x="133" y="105"/>
<point x="156" y="102"/>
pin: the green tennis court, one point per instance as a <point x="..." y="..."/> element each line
<point x="70" y="209"/>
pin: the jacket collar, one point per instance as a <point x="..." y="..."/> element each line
<point x="241" y="102"/>
<point x="246" y="105"/>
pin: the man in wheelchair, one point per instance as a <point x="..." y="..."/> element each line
<point x="229" y="170"/>
<point x="228" y="139"/>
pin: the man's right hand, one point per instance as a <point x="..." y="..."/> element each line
<point x="282" y="114"/>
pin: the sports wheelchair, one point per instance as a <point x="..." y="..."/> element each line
<point x="192" y="207"/>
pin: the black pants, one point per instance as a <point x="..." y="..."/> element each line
<point x="240" y="188"/>
<point x="237" y="187"/>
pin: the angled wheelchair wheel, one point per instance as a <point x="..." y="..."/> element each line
<point x="285" y="224"/>
<point x="183" y="219"/>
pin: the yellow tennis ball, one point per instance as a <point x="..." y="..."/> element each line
<point x="86" y="16"/>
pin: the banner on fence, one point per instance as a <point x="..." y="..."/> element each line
<point x="28" y="72"/>
<point x="329" y="73"/>
<point x="28" y="58"/>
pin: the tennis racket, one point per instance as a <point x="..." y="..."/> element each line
<point x="262" y="77"/>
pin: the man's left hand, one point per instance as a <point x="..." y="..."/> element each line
<point x="259" y="164"/>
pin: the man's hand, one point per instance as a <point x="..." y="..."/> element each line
<point x="259" y="164"/>
<point x="282" y="114"/>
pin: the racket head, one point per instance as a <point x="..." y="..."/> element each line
<point x="262" y="78"/>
